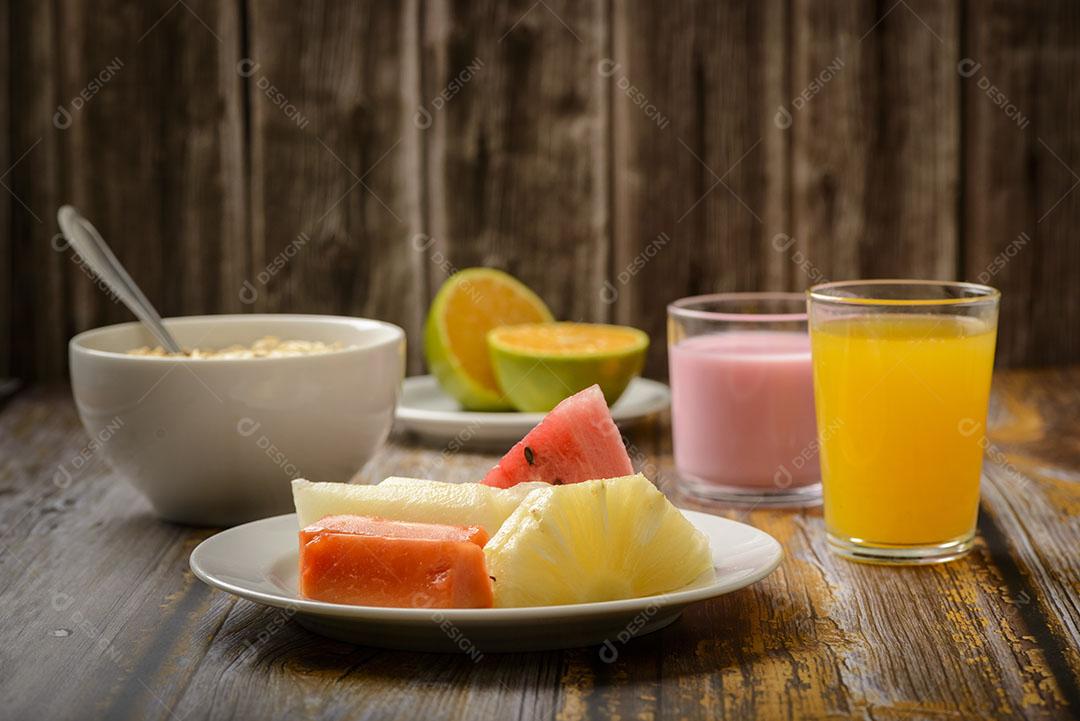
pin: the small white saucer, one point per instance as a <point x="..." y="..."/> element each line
<point x="259" y="561"/>
<point x="424" y="409"/>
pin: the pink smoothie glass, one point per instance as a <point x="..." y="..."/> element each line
<point x="742" y="407"/>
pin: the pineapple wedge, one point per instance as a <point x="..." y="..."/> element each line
<point x="410" y="499"/>
<point x="594" y="541"/>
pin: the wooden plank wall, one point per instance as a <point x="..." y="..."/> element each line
<point x="345" y="157"/>
<point x="5" y="198"/>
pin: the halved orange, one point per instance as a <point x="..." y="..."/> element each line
<point x="538" y="365"/>
<point x="468" y="305"/>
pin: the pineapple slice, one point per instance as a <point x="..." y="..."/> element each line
<point x="594" y="541"/>
<point x="410" y="499"/>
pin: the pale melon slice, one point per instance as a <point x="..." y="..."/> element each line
<point x="409" y="499"/>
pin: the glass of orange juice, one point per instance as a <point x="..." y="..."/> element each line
<point x="901" y="384"/>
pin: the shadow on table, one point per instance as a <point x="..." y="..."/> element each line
<point x="709" y="638"/>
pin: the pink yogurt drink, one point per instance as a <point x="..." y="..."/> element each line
<point x="743" y="414"/>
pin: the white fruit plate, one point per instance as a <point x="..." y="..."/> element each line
<point x="424" y="409"/>
<point x="259" y="561"/>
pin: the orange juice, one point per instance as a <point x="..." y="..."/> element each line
<point x="901" y="405"/>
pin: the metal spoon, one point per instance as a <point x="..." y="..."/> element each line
<point x="92" y="248"/>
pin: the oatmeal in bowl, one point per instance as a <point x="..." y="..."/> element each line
<point x="266" y="347"/>
<point x="214" y="435"/>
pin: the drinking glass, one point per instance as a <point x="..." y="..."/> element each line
<point x="742" y="407"/>
<point x="902" y="381"/>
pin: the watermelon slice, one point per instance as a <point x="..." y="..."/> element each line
<point x="577" y="441"/>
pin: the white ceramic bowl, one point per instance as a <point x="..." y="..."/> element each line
<point x="216" y="441"/>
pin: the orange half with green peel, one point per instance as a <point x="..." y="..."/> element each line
<point x="468" y="305"/>
<point x="539" y="364"/>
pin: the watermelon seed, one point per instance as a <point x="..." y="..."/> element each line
<point x="529" y="455"/>
<point x="492" y="578"/>
<point x="558" y="481"/>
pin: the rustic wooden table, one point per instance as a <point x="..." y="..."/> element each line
<point x="103" y="619"/>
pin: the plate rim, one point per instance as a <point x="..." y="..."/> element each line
<point x="671" y="599"/>
<point x="411" y="414"/>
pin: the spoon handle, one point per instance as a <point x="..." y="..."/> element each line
<point x="96" y="253"/>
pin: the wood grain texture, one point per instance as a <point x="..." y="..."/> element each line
<point x="6" y="200"/>
<point x="515" y="146"/>
<point x="1035" y="445"/>
<point x="875" y="145"/>
<point x="103" y="599"/>
<point x="699" y="172"/>
<point x="334" y="160"/>
<point x="40" y="318"/>
<point x="137" y="124"/>
<point x="346" y="157"/>
<point x="1022" y="172"/>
